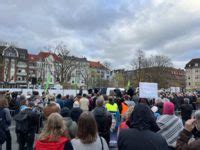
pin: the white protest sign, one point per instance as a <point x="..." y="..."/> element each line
<point x="148" y="90"/>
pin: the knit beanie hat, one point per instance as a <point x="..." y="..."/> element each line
<point x="168" y="108"/>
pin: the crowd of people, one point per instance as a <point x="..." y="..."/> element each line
<point x="88" y="121"/>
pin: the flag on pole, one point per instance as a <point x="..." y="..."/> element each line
<point x="128" y="84"/>
<point x="47" y="83"/>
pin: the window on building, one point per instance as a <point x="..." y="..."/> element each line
<point x="19" y="71"/>
<point x="189" y="77"/>
<point x="196" y="65"/>
<point x="189" y="83"/>
<point x="22" y="56"/>
<point x="196" y="77"/>
<point x="196" y="70"/>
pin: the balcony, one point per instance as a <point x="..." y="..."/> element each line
<point x="21" y="73"/>
<point x="21" y="65"/>
<point x="21" y="81"/>
<point x="32" y="67"/>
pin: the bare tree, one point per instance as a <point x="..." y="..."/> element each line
<point x="150" y="69"/>
<point x="67" y="65"/>
<point x="85" y="74"/>
<point x="107" y="64"/>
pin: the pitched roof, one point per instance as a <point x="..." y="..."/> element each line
<point x="79" y="59"/>
<point x="42" y="55"/>
<point x="33" y="57"/>
<point x="97" y="65"/>
<point x="191" y="63"/>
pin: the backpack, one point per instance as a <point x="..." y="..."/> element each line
<point x="23" y="121"/>
<point x="2" y="128"/>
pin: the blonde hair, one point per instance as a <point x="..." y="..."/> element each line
<point x="128" y="112"/>
<point x="54" y="128"/>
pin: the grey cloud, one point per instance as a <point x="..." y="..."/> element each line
<point x="105" y="30"/>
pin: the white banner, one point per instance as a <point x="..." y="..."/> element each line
<point x="148" y="90"/>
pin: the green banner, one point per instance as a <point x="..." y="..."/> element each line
<point x="47" y="83"/>
<point x="128" y="85"/>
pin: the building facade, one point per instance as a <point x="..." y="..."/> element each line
<point x="80" y="71"/>
<point x="99" y="74"/>
<point x="193" y="74"/>
<point x="42" y="66"/>
<point x="14" y="67"/>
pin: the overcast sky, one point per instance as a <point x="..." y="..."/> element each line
<point x="105" y="30"/>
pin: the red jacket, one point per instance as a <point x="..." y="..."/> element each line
<point x="49" y="145"/>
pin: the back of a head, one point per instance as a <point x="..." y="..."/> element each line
<point x="87" y="128"/>
<point x="22" y="100"/>
<point x="99" y="102"/>
<point x="142" y="118"/>
<point x="65" y="112"/>
<point x="51" y="98"/>
<point x="59" y="96"/>
<point x="54" y="128"/>
<point x="168" y="108"/>
<point x="186" y="100"/>
<point x="51" y="108"/>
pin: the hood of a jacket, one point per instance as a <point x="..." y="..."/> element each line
<point x="142" y="118"/>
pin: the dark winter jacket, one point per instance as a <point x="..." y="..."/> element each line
<point x="6" y="117"/>
<point x="141" y="135"/>
<point x="182" y="142"/>
<point x="134" y="139"/>
<point x="186" y="111"/>
<point x="75" y="113"/>
<point x="104" y="121"/>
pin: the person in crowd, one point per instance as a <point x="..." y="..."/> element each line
<point x="27" y="121"/>
<point x="128" y="100"/>
<point x="84" y="103"/>
<point x="76" y="111"/>
<point x="69" y="101"/>
<point x="103" y="119"/>
<point x="70" y="124"/>
<point x="54" y="135"/>
<point x="51" y="108"/>
<point x="52" y="100"/>
<point x="144" y="101"/>
<point x="87" y="135"/>
<point x="192" y="128"/>
<point x="124" y="106"/>
<point x="186" y="110"/>
<point x="170" y="125"/>
<point x="23" y="102"/>
<point x="155" y="111"/>
<point x="59" y="100"/>
<point x="142" y="133"/>
<point x="112" y="107"/>
<point x="5" y="120"/>
<point x="159" y="104"/>
<point x="125" y="124"/>
<point x="14" y="104"/>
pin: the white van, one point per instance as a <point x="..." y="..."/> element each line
<point x="108" y="91"/>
